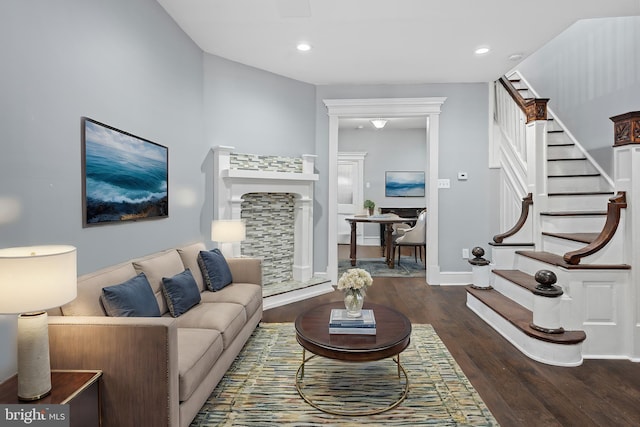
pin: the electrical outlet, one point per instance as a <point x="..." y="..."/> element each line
<point x="465" y="253"/>
<point x="444" y="183"/>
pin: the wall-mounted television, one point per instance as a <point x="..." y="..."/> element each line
<point x="124" y="177"/>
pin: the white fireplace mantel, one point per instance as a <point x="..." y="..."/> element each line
<point x="231" y="184"/>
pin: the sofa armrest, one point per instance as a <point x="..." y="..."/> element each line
<point x="246" y="270"/>
<point x="139" y="360"/>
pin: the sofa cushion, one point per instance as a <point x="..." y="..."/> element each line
<point x="87" y="302"/>
<point x="157" y="266"/>
<point x="133" y="298"/>
<point x="189" y="256"/>
<point x="199" y="351"/>
<point x="227" y="318"/>
<point x="247" y="294"/>
<point x="181" y="292"/>
<point x="215" y="269"/>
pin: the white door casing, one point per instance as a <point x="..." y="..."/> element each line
<point x="429" y="108"/>
<point x="350" y="193"/>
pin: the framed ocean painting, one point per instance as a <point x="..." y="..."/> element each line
<point x="124" y="177"/>
<point x="404" y="184"/>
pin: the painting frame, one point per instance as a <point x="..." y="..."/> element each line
<point x="124" y="177"/>
<point x="404" y="184"/>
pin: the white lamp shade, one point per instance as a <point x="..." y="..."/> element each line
<point x="226" y="231"/>
<point x="37" y="278"/>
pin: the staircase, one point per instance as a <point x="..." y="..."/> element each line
<point x="571" y="224"/>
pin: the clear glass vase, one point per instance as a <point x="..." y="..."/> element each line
<point x="353" y="300"/>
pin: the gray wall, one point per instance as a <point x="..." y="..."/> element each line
<point x="387" y="150"/>
<point x="464" y="211"/>
<point x="121" y="62"/>
<point x="590" y="72"/>
<point x="256" y="111"/>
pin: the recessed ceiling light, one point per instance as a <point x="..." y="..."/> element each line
<point x="303" y="47"/>
<point x="515" y="57"/>
<point x="481" y="50"/>
<point x="378" y="123"/>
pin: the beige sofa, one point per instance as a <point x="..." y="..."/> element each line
<point x="157" y="371"/>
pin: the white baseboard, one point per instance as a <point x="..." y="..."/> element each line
<point x="455" y="278"/>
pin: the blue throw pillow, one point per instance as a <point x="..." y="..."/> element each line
<point x="215" y="269"/>
<point x="133" y="298"/>
<point x="181" y="292"/>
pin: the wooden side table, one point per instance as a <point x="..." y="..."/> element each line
<point x="79" y="389"/>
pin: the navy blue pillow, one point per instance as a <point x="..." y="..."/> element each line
<point x="181" y="292"/>
<point x="215" y="269"/>
<point x="133" y="298"/>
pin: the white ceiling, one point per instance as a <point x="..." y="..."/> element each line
<point x="382" y="41"/>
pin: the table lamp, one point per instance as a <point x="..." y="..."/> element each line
<point x="34" y="279"/>
<point x="226" y="232"/>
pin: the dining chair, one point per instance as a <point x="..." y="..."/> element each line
<point x="414" y="237"/>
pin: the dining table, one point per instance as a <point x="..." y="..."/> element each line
<point x="387" y="221"/>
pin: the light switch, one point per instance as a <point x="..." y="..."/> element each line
<point x="462" y="176"/>
<point x="444" y="183"/>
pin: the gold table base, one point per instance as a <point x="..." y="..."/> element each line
<point x="401" y="373"/>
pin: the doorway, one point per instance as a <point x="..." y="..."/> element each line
<point x="426" y="108"/>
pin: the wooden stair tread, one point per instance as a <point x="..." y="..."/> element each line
<point x="575" y="175"/>
<point x="576" y="237"/>
<point x="518" y="277"/>
<point x="568" y="159"/>
<point x="575" y="213"/>
<point x="558" y="261"/>
<point x="521" y="318"/>
<point x="581" y="193"/>
<point x="511" y="244"/>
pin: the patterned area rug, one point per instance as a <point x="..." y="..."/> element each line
<point x="259" y="388"/>
<point x="378" y="268"/>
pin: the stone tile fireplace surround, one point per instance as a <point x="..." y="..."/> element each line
<point x="274" y="195"/>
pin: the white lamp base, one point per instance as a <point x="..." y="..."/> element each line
<point x="34" y="368"/>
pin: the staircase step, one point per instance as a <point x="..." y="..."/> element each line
<point x="575" y="213"/>
<point x="575" y="175"/>
<point x="575" y="237"/>
<point x="522" y="318"/>
<point x="581" y="193"/>
<point x="558" y="261"/>
<point x="519" y="278"/>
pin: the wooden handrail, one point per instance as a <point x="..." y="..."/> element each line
<point x="527" y="201"/>
<point x="616" y="203"/>
<point x="533" y="108"/>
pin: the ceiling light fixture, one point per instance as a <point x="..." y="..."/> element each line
<point x="303" y="47"/>
<point x="378" y="123"/>
<point x="482" y="50"/>
<point x="515" y="57"/>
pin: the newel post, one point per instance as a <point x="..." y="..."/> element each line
<point x="480" y="270"/>
<point x="546" y="303"/>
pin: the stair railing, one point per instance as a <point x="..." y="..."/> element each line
<point x="523" y="128"/>
<point x="519" y="225"/>
<point x="614" y="207"/>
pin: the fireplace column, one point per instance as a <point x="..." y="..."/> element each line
<point x="302" y="262"/>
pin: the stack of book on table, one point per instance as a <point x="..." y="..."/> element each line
<point x="340" y="323"/>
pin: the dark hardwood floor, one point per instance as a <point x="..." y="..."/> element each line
<point x="517" y="390"/>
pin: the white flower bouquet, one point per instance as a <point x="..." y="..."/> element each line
<point x="355" y="278"/>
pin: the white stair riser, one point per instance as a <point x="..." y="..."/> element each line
<point x="576" y="184"/>
<point x="522" y="296"/>
<point x="594" y="202"/>
<point x="559" y="246"/>
<point x="569" y="167"/>
<point x="557" y="137"/>
<point x="573" y="224"/>
<point x="563" y="152"/>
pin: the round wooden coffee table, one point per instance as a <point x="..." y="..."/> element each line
<point x="393" y="334"/>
